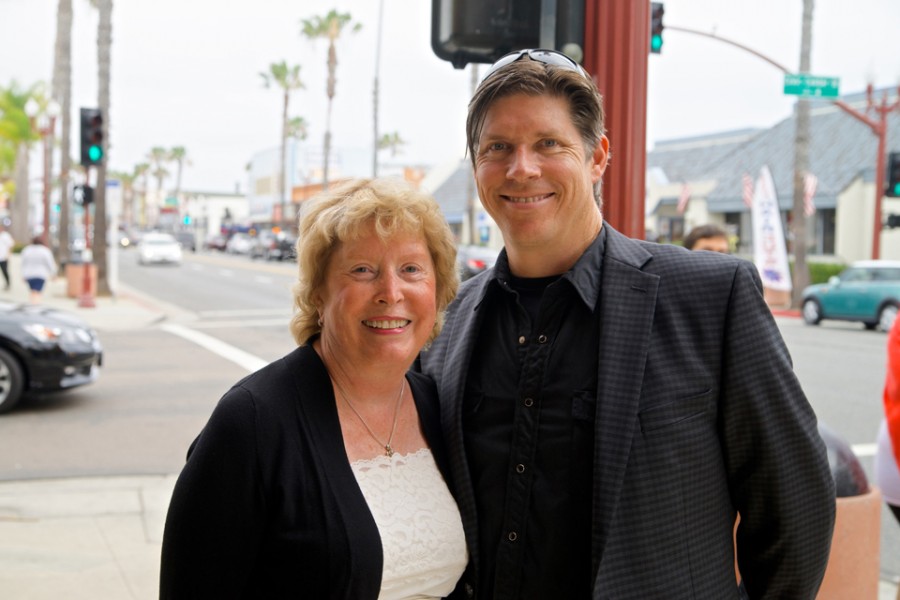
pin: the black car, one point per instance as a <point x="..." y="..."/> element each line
<point x="270" y="245"/>
<point x="44" y="350"/>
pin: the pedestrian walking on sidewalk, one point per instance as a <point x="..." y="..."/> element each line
<point x="37" y="266"/>
<point x="6" y="245"/>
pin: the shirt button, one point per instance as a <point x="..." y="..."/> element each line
<point x="521" y="339"/>
<point x="520" y="468"/>
<point x="528" y="402"/>
<point x="542" y="339"/>
<point x="513" y="536"/>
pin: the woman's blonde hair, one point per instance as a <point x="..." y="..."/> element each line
<point x="341" y="214"/>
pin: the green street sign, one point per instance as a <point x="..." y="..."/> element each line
<point x="803" y="84"/>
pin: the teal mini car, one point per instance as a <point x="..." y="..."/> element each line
<point x="868" y="291"/>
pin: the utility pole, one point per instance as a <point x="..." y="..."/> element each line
<point x="801" y="166"/>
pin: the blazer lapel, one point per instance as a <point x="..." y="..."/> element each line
<point x="627" y="302"/>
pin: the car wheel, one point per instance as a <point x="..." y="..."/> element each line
<point x="12" y="381"/>
<point x="886" y="317"/>
<point x="812" y="312"/>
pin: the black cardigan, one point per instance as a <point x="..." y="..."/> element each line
<point x="267" y="505"/>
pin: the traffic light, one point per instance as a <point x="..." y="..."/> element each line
<point x="893" y="175"/>
<point x="656" y="27"/>
<point x="91" y="136"/>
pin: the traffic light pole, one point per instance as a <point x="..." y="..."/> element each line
<point x="879" y="128"/>
<point x="86" y="298"/>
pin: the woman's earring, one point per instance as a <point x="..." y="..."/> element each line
<point x="320" y="322"/>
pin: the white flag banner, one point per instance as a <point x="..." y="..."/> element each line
<point x="769" y="251"/>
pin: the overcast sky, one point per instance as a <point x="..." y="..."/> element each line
<point x="186" y="72"/>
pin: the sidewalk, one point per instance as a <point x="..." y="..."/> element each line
<point x="96" y="538"/>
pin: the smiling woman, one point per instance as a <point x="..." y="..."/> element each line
<point x="309" y="441"/>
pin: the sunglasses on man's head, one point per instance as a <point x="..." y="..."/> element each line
<point x="548" y="57"/>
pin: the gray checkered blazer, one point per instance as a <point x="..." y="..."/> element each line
<point x="699" y="416"/>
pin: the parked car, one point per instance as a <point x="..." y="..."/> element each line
<point x="44" y="350"/>
<point x="187" y="239"/>
<point x="239" y="243"/>
<point x="155" y="248"/>
<point x="215" y="241"/>
<point x="472" y="260"/>
<point x="285" y="246"/>
<point x="868" y="291"/>
<point x="262" y="245"/>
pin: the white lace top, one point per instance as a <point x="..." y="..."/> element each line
<point x="421" y="530"/>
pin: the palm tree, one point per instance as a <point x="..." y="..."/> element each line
<point x="288" y="79"/>
<point x="104" y="45"/>
<point x="16" y="133"/>
<point x="178" y="155"/>
<point x="142" y="170"/>
<point x="62" y="94"/>
<point x="158" y="157"/>
<point x="391" y="141"/>
<point x="329" y="27"/>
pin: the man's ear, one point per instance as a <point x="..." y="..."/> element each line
<point x="600" y="159"/>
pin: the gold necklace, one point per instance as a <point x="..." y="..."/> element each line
<point x="388" y="450"/>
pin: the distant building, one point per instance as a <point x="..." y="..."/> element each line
<point x="710" y="170"/>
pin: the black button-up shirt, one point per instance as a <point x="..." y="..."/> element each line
<point x="528" y="421"/>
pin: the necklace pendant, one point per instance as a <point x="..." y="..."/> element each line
<point x="389" y="451"/>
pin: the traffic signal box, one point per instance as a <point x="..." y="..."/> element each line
<point x="893" y="175"/>
<point x="656" y="27"/>
<point x="91" y="136"/>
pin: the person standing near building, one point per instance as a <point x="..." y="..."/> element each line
<point x="708" y="237"/>
<point x="38" y="267"/>
<point x="611" y="405"/>
<point x="6" y="245"/>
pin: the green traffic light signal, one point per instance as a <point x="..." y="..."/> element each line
<point x="657" y="10"/>
<point x="91" y="136"/>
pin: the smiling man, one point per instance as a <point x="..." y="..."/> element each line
<point x="612" y="404"/>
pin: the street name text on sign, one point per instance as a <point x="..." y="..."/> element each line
<point x="803" y="84"/>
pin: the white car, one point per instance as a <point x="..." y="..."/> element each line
<point x="159" y="248"/>
<point x="239" y="243"/>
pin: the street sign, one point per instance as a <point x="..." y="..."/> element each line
<point x="803" y="84"/>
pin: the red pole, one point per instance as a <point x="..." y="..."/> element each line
<point x="86" y="299"/>
<point x="879" y="183"/>
<point x="616" y="48"/>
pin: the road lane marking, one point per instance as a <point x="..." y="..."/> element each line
<point x="243" y="359"/>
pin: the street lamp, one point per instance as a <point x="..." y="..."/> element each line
<point x="45" y="124"/>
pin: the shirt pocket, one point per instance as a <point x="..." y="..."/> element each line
<point x="677" y="411"/>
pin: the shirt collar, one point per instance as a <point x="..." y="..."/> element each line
<point x="584" y="276"/>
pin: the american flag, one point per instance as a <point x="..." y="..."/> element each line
<point x="810" y="182"/>
<point x="748" y="190"/>
<point x="683" y="198"/>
